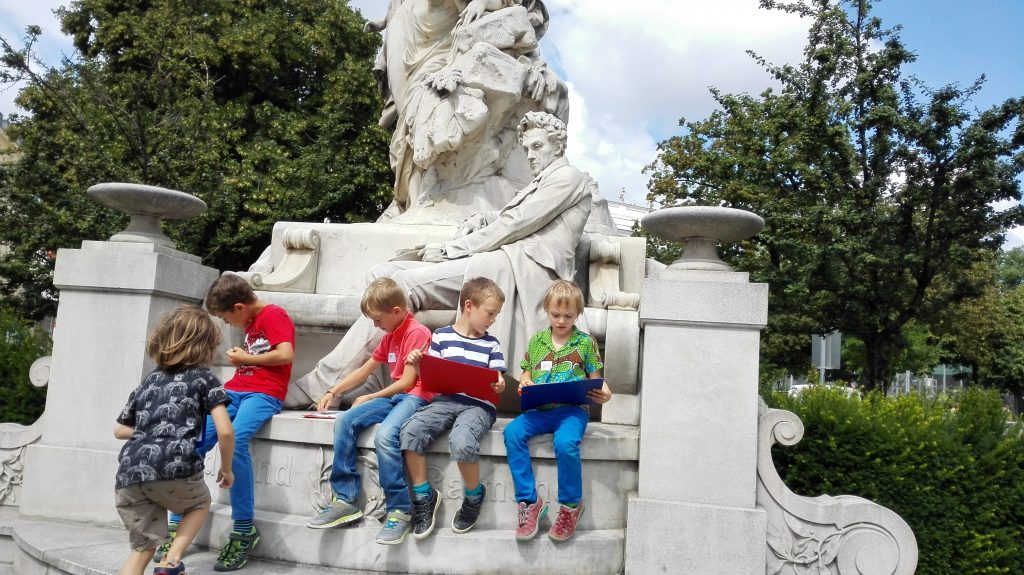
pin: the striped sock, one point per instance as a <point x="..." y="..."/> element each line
<point x="243" y="526"/>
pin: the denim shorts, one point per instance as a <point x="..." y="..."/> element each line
<point x="468" y="420"/>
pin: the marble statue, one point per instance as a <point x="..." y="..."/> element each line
<point x="523" y="246"/>
<point x="457" y="75"/>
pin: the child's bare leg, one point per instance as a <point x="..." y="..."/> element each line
<point x="188" y="527"/>
<point x="470" y="474"/>
<point x="416" y="465"/>
<point x="137" y="562"/>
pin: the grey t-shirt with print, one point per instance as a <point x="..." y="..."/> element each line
<point x="168" y="411"/>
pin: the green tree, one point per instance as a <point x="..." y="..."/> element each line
<point x="265" y="109"/>
<point x="876" y="191"/>
<point x="20" y="345"/>
<point x="987" y="332"/>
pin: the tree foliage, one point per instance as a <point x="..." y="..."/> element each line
<point x="987" y="332"/>
<point x="877" y="191"/>
<point x="264" y="109"/>
<point x="20" y="345"/>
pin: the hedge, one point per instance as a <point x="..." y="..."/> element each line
<point x="953" y="468"/>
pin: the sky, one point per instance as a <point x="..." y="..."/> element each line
<point x="635" y="68"/>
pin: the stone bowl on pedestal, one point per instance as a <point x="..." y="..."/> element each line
<point x="146" y="205"/>
<point x="701" y="229"/>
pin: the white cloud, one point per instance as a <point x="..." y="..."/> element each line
<point x="636" y="72"/>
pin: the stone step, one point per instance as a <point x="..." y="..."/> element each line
<point x="285" y="538"/>
<point x="43" y="547"/>
<point x="48" y="547"/>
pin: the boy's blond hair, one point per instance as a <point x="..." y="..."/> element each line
<point x="382" y="295"/>
<point x="228" y="290"/>
<point x="564" y="292"/>
<point x="185" y="337"/>
<point x="477" y="290"/>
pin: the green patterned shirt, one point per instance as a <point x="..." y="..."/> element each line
<point x="574" y="361"/>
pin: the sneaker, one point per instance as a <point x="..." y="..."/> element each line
<point x="423" y="510"/>
<point x="178" y="569"/>
<point x="395" y="528"/>
<point x="162" y="550"/>
<point x="338" y="512"/>
<point x="466" y="516"/>
<point x="235" y="554"/>
<point x="529" y="519"/>
<point x="565" y="523"/>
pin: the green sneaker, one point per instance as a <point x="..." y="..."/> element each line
<point x="235" y="554"/>
<point x="163" y="549"/>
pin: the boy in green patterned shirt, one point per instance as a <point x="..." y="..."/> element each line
<point x="560" y="353"/>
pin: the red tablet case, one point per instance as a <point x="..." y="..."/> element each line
<point x="446" y="376"/>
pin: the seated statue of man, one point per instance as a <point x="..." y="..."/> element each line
<point x="523" y="247"/>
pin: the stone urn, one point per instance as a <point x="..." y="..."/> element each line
<point x="701" y="229"/>
<point x="146" y="205"/>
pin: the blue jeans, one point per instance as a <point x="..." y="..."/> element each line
<point x="248" y="412"/>
<point x="390" y="413"/>
<point x="568" y="424"/>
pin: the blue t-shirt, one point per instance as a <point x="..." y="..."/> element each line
<point x="168" y="411"/>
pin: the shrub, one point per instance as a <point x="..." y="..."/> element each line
<point x="948" y="466"/>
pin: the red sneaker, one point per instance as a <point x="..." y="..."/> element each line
<point x="529" y="519"/>
<point x="565" y="523"/>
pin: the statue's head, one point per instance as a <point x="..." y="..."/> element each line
<point x="543" y="136"/>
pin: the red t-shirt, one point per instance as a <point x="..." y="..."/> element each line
<point x="270" y="327"/>
<point x="395" y="347"/>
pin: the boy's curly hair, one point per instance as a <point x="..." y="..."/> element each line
<point x="185" y="337"/>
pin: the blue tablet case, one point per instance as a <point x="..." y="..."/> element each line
<point x="569" y="392"/>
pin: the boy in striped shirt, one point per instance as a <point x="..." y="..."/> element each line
<point x="465" y="341"/>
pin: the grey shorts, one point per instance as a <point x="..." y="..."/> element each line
<point x="467" y="419"/>
<point x="143" y="507"/>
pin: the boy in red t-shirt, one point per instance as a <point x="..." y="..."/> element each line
<point x="385" y="303"/>
<point x="257" y="392"/>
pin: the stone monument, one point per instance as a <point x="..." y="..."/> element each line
<point x="457" y="76"/>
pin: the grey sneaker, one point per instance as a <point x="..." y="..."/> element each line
<point x="337" y="513"/>
<point x="423" y="510"/>
<point x="466" y="516"/>
<point x="397" y="525"/>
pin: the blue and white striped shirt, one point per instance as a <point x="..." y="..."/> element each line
<point x="484" y="351"/>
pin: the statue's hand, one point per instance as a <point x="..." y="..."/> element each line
<point x="433" y="253"/>
<point x="444" y="80"/>
<point x="472" y="224"/>
<point x="474" y="11"/>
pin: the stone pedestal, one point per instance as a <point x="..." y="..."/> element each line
<point x="111" y="296"/>
<point x="698" y="438"/>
